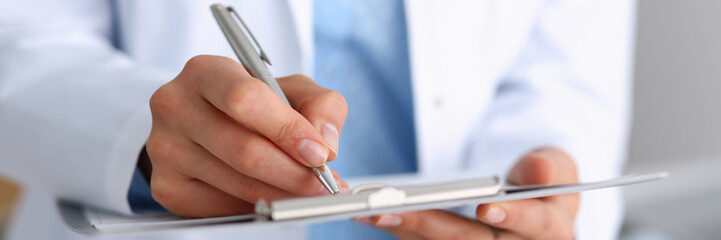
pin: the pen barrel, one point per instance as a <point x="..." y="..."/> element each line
<point x="252" y="61"/>
<point x="244" y="49"/>
<point x="273" y="84"/>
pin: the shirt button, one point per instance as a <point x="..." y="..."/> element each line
<point x="438" y="103"/>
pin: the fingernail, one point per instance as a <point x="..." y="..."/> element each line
<point x="494" y="215"/>
<point x="389" y="220"/>
<point x="365" y="220"/>
<point x="312" y="152"/>
<point x="330" y="133"/>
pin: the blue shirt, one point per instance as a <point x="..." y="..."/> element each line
<point x="361" y="51"/>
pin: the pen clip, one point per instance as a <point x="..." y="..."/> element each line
<point x="262" y="53"/>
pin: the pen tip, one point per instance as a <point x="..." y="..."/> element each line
<point x="326" y="178"/>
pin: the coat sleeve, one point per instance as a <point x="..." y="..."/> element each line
<point x="569" y="87"/>
<point x="73" y="110"/>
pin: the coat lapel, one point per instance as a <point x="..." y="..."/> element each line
<point x="459" y="49"/>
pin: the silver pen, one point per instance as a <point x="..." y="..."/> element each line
<point x="253" y="62"/>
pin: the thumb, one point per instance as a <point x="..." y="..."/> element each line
<point x="545" y="165"/>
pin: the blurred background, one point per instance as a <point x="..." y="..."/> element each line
<point x="677" y="121"/>
<point x="676" y="127"/>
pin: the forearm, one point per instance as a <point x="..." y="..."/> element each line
<point x="74" y="112"/>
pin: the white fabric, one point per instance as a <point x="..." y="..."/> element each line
<point x="562" y="68"/>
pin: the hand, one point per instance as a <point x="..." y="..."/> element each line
<point x="222" y="139"/>
<point x="541" y="218"/>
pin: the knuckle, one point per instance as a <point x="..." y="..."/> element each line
<point x="252" y="189"/>
<point x="159" y="148"/>
<point x="331" y="97"/>
<point x="327" y="99"/>
<point x="301" y="78"/>
<point x="202" y="61"/>
<point x="248" y="159"/>
<point x="210" y="66"/>
<point x="196" y="64"/>
<point x="335" y="98"/>
<point x="242" y="96"/>
<point x="165" y="100"/>
<point x="289" y="129"/>
<point x="222" y="60"/>
<point x="248" y="163"/>
<point x="163" y="193"/>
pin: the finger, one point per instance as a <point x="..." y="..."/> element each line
<point x="550" y="217"/>
<point x="248" y="101"/>
<point x="188" y="197"/>
<point x="247" y="152"/>
<point x="546" y="165"/>
<point x="325" y="109"/>
<point x="406" y="235"/>
<point x="433" y="224"/>
<point x="532" y="218"/>
<point x="222" y="176"/>
<point x="399" y="233"/>
<point x="190" y="159"/>
<point x="183" y="156"/>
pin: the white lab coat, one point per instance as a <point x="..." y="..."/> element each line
<point x="491" y="79"/>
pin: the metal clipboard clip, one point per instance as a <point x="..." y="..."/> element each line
<point x="375" y="197"/>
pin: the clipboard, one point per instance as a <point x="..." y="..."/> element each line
<point x="364" y="200"/>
